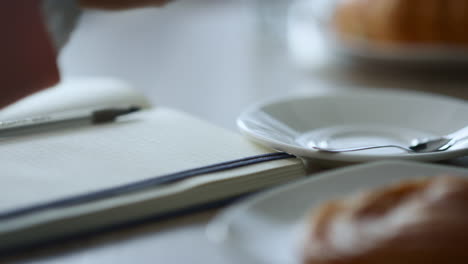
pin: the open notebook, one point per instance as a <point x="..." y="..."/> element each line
<point x="69" y="181"/>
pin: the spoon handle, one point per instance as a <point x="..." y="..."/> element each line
<point x="329" y="150"/>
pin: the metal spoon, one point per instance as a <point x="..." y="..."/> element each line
<point x="423" y="145"/>
<point x="440" y="143"/>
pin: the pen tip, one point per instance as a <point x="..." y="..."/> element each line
<point x="108" y="115"/>
<point x="133" y="108"/>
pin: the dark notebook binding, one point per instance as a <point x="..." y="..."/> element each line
<point x="142" y="185"/>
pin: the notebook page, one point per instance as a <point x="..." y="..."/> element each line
<point x="155" y="142"/>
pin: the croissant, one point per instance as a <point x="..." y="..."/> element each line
<point x="413" y="222"/>
<point x="396" y="22"/>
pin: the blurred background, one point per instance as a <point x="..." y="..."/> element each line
<point x="214" y="58"/>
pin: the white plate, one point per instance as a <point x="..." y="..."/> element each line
<point x="267" y="228"/>
<point x="354" y="118"/>
<point x="306" y="15"/>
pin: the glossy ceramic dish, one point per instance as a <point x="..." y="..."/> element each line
<point x="353" y="118"/>
<point x="268" y="228"/>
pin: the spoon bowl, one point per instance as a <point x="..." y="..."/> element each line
<point x="424" y="145"/>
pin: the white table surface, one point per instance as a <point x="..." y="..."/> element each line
<point x="210" y="58"/>
<point x="213" y="58"/>
<point x="191" y="55"/>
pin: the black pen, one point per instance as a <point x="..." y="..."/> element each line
<point x="63" y="120"/>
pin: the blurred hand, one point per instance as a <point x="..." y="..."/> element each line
<point x="120" y="4"/>
<point x="28" y="59"/>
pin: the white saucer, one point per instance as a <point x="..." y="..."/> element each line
<point x="268" y="228"/>
<point x="354" y="118"/>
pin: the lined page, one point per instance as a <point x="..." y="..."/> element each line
<point x="58" y="164"/>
